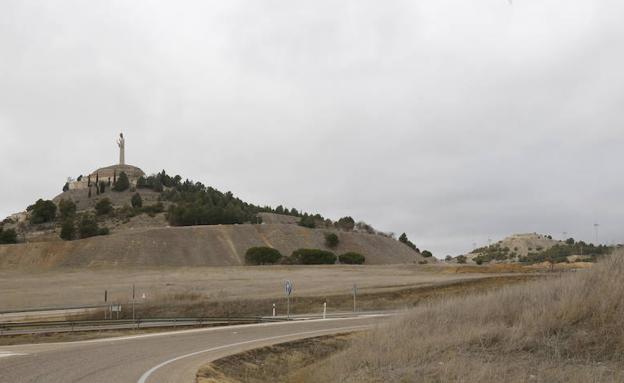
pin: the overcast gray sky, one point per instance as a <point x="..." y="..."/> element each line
<point x="452" y="120"/>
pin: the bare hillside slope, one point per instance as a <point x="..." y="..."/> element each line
<point x="222" y="245"/>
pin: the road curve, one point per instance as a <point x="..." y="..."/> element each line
<point x="161" y="357"/>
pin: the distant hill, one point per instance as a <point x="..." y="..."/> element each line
<point x="517" y="246"/>
<point x="534" y="248"/>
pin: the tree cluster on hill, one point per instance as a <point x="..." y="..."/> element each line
<point x="560" y="252"/>
<point x="193" y="203"/>
<point x="427" y="254"/>
<point x="403" y="239"/>
<point x="42" y="211"/>
<point x="80" y="227"/>
<point x="7" y="236"/>
<point x="262" y="256"/>
<point x="351" y="258"/>
<point x="494" y="252"/>
<point x="269" y="255"/>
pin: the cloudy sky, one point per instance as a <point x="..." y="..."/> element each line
<point x="452" y="120"/>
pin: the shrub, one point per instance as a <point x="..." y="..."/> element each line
<point x="448" y="258"/>
<point x="68" y="230"/>
<point x="426" y="254"/>
<point x="307" y="221"/>
<point x="42" y="211"/>
<point x="103" y="231"/>
<point x="136" y="200"/>
<point x="152" y="210"/>
<point x="262" y="256"/>
<point x="313" y="257"/>
<point x="331" y="240"/>
<point x="122" y="183"/>
<point x="8" y="236"/>
<point x="67" y="208"/>
<point x="352" y="258"/>
<point x="345" y="223"/>
<point x="66" y="187"/>
<point x="104" y="206"/>
<point x="363" y="226"/>
<point x="88" y="226"/>
<point x="461" y="259"/>
<point x="479" y="260"/>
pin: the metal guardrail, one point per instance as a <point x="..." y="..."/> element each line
<point x="51" y="308"/>
<point x="94" y="325"/>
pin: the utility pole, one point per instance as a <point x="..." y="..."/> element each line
<point x="596" y="232"/>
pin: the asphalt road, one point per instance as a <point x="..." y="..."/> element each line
<point x="161" y="357"/>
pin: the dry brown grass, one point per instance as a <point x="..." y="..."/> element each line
<point x="75" y="287"/>
<point x="567" y="329"/>
<point x="191" y="304"/>
<point x="278" y="363"/>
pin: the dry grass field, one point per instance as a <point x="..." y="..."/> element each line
<point x="165" y="287"/>
<point x="566" y="329"/>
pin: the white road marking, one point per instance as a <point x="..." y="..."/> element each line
<point x="5" y="354"/>
<point x="149" y="372"/>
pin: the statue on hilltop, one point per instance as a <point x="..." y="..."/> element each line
<point x="121" y="142"/>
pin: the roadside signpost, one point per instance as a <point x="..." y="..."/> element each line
<point x="115" y="309"/>
<point x="288" y="288"/>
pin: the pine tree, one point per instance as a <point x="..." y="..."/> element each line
<point x="122" y="183"/>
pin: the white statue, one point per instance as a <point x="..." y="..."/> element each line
<point x="121" y="142"/>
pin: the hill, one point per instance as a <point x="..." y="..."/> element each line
<point x="514" y="247"/>
<point x="209" y="245"/>
<point x="535" y="248"/>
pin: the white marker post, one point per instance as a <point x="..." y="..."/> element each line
<point x="324" y="310"/>
<point x="273" y="309"/>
